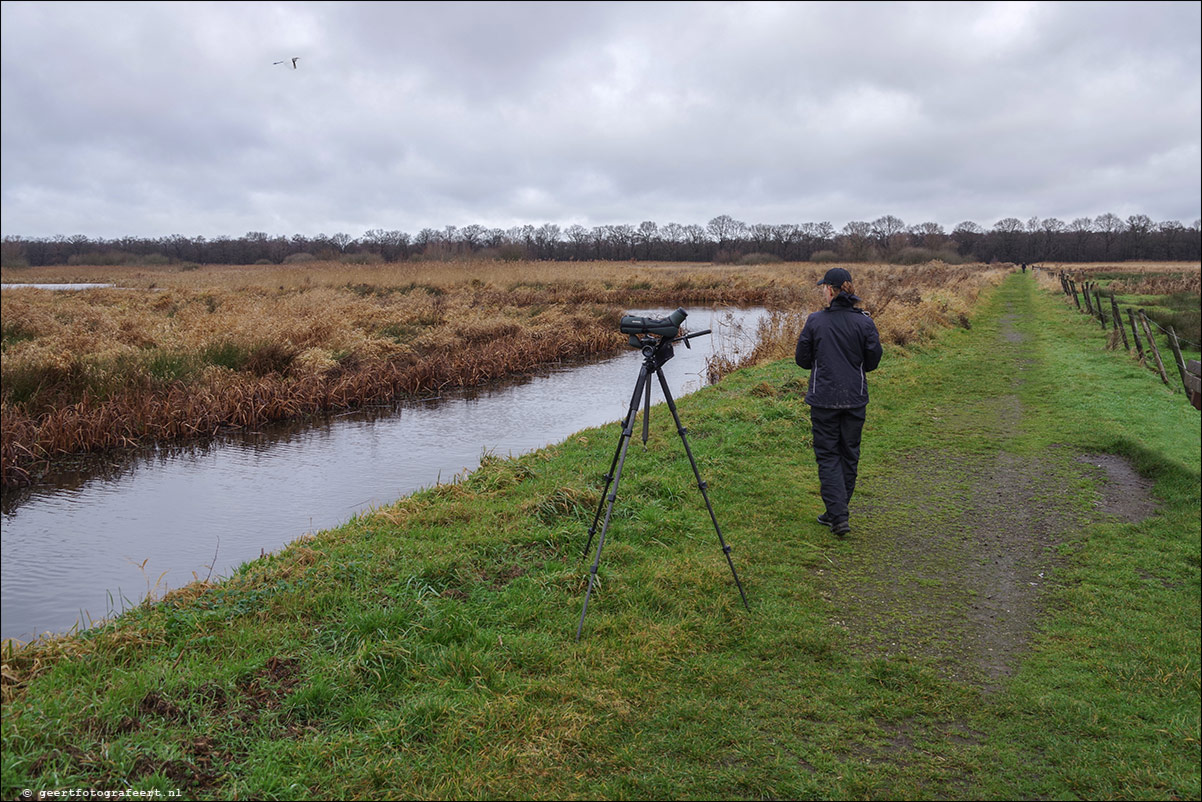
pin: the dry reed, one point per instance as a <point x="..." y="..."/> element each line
<point x="1139" y="278"/>
<point x="195" y="352"/>
<point x="909" y="305"/>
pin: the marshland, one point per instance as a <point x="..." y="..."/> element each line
<point x="173" y="353"/>
<point x="319" y="382"/>
<point x="1030" y="634"/>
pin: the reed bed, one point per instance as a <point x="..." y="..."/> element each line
<point x="170" y="354"/>
<point x="908" y="307"/>
<point x="1139" y="278"/>
<point x="1158" y="284"/>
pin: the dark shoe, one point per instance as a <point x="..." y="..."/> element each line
<point x="840" y="528"/>
<point x="826" y="520"/>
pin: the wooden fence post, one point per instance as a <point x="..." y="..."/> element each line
<point x="1177" y="356"/>
<point x="1088" y="302"/>
<point x="1118" y="321"/>
<point x="1155" y="351"/>
<point x="1076" y="300"/>
<point x="1097" y="294"/>
<point x="1139" y="347"/>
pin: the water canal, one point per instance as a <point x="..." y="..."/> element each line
<point x="82" y="546"/>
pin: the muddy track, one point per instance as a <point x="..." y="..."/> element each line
<point x="953" y="552"/>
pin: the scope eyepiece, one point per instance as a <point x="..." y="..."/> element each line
<point x="659" y="326"/>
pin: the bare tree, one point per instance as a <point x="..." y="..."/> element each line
<point x="785" y="238"/>
<point x="822" y="233"/>
<point x="696" y="238"/>
<point x="1171" y="233"/>
<point x="673" y="237"/>
<point x="580" y="237"/>
<point x="724" y="229"/>
<point x="546" y="237"/>
<point x="646" y="235"/>
<point x="389" y="244"/>
<point x="623" y="237"/>
<point x="885" y="227"/>
<point x="525" y="235"/>
<point x="425" y="238"/>
<point x="1080" y="229"/>
<point x="888" y="231"/>
<point x="856" y="240"/>
<point x="473" y="236"/>
<point x="1139" y="226"/>
<point x="1007" y="231"/>
<point x="672" y="232"/>
<point x="1052" y="232"/>
<point x="931" y="235"/>
<point x="494" y="238"/>
<point x="1108" y="225"/>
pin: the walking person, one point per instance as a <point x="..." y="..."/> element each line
<point x="838" y="345"/>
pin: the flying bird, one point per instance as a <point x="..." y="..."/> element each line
<point x="285" y="61"/>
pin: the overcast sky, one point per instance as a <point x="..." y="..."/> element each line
<point x="150" y="119"/>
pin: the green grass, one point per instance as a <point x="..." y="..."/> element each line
<point x="1180" y="310"/>
<point x="426" y="650"/>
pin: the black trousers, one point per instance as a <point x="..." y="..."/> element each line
<point x="837" y="450"/>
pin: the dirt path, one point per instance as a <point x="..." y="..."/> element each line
<point x="953" y="551"/>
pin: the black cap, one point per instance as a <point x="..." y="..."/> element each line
<point x="835" y="277"/>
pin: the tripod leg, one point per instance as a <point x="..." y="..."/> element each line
<point x="609" y="477"/>
<point x="701" y="485"/>
<point x="627" y="427"/>
<point x="647" y="412"/>
<point x="620" y="459"/>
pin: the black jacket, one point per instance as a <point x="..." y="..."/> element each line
<point x="838" y="345"/>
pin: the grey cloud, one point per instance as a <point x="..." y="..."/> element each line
<point x="156" y="118"/>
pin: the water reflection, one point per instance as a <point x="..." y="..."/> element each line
<point x="97" y="539"/>
<point x="55" y="287"/>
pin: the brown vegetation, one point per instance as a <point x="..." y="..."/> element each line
<point x="171" y="353"/>
<point x="908" y="304"/>
<point x="1137" y="278"/>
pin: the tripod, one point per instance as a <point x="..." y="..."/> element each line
<point x="656" y="351"/>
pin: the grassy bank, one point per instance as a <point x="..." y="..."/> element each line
<point x="426" y="650"/>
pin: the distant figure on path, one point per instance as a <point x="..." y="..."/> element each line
<point x="838" y="345"/>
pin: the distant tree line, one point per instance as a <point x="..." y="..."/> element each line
<point x="724" y="239"/>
